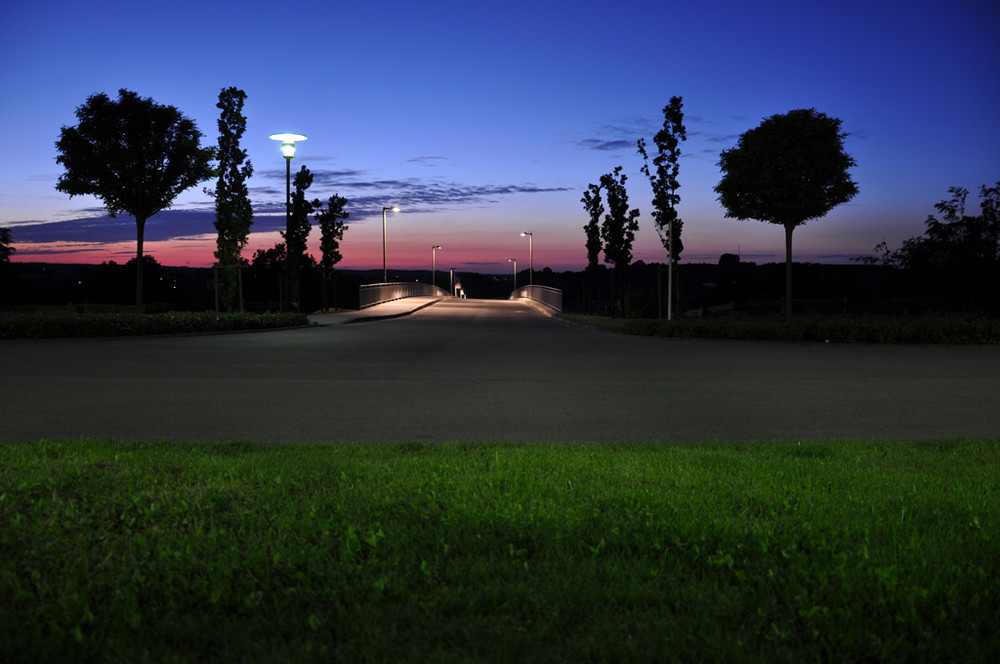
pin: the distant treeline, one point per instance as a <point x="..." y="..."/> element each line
<point x="729" y="286"/>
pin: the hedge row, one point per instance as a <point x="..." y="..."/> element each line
<point x="119" y="324"/>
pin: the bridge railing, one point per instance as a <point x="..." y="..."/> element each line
<point x="551" y="297"/>
<point x="372" y="294"/>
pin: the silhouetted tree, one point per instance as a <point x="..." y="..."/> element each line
<point x="790" y="169"/>
<point x="957" y="253"/>
<point x="233" y="211"/>
<point x="665" y="185"/>
<point x="6" y="245"/>
<point x="133" y="154"/>
<point x="297" y="233"/>
<point x="269" y="259"/>
<point x="331" y="232"/>
<point x="595" y="208"/>
<point x="620" y="225"/>
<point x="664" y="179"/>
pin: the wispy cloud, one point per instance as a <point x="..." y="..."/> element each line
<point x="619" y="134"/>
<point x="427" y="161"/>
<point x="607" y="145"/>
<point x="365" y="197"/>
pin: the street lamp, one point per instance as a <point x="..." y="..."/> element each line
<point x="288" y="151"/>
<point x="393" y="208"/>
<point x="434" y="263"/>
<point x="531" y="260"/>
<point x="514" y="261"/>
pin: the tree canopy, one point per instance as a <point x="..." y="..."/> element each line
<point x="135" y="155"/>
<point x="788" y="170"/>
<point x="331" y="231"/>
<point x="620" y="224"/>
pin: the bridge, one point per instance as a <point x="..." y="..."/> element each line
<point x="373" y="294"/>
<point x="471" y="370"/>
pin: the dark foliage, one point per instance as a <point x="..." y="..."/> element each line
<point x="133" y="154"/>
<point x="790" y="169"/>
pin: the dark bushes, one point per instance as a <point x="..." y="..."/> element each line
<point x="120" y="324"/>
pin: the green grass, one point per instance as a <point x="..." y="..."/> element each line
<point x="846" y="551"/>
<point x="121" y="324"/>
<point x="929" y="329"/>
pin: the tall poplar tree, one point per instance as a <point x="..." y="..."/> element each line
<point x="663" y="180"/>
<point x="595" y="208"/>
<point x="297" y="234"/>
<point x="233" y="211"/>
<point x="331" y="232"/>
<point x="620" y="224"/>
<point x="619" y="227"/>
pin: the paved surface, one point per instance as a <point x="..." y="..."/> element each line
<point x="488" y="370"/>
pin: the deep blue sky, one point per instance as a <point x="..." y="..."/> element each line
<point x="482" y="120"/>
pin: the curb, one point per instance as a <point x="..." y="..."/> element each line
<point x="365" y="319"/>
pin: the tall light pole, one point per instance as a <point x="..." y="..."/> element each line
<point x="514" y="261"/>
<point x="434" y="263"/>
<point x="288" y="151"/>
<point x="384" y="210"/>
<point x="531" y="260"/>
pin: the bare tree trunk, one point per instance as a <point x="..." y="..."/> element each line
<point x="140" y="226"/>
<point x="788" y="271"/>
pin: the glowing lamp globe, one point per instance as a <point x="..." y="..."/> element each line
<point x="287" y="143"/>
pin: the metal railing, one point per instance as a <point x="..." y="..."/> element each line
<point x="372" y="294"/>
<point x="551" y="297"/>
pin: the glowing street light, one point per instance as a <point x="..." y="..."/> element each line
<point x="531" y="260"/>
<point x="514" y="261"/>
<point x="393" y="208"/>
<point x="288" y="151"/>
<point x="434" y="263"/>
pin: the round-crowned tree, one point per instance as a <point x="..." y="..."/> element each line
<point x="133" y="154"/>
<point x="790" y="169"/>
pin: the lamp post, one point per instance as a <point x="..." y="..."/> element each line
<point x="288" y="151"/>
<point x="531" y="260"/>
<point x="434" y="263"/>
<point x="514" y="261"/>
<point x="384" y="210"/>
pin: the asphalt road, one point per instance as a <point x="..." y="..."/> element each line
<point x="479" y="370"/>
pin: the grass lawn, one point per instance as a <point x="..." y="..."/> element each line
<point x="816" y="551"/>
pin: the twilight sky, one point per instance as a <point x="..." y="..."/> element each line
<point x="482" y="120"/>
